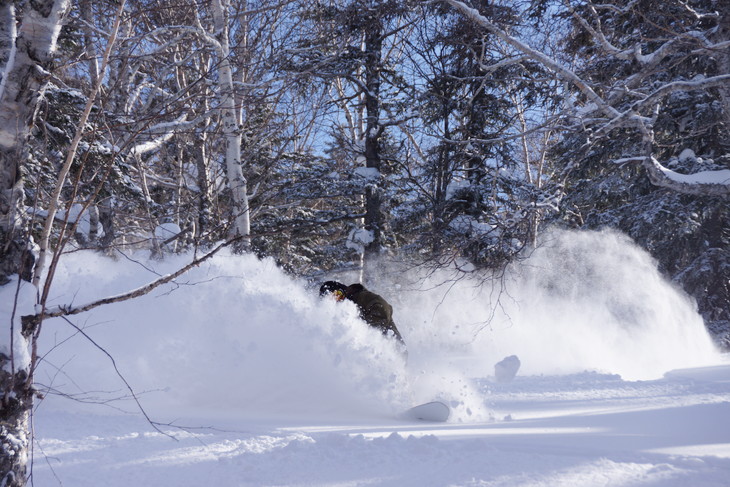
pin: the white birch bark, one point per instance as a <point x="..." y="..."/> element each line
<point x="231" y="125"/>
<point x="8" y="34"/>
<point x="27" y="47"/>
<point x="27" y="53"/>
<point x="21" y="81"/>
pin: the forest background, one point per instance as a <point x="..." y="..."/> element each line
<point x="362" y="137"/>
<point x="341" y="136"/>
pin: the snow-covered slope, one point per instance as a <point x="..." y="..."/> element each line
<point x="263" y="383"/>
<point x="584" y="429"/>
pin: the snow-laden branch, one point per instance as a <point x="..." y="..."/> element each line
<point x="542" y="58"/>
<point x="597" y="33"/>
<point x="165" y="32"/>
<point x="634" y="52"/>
<point x="691" y="85"/>
<point x="698" y="15"/>
<point x="631" y="117"/>
<point x="713" y="182"/>
<point x="619" y="9"/>
<point x="706" y="183"/>
<point x="166" y="130"/>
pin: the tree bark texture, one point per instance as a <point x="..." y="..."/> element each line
<point x="374" y="217"/>
<point x="231" y="125"/>
<point x="27" y="46"/>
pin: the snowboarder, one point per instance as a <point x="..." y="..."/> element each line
<point x="374" y="310"/>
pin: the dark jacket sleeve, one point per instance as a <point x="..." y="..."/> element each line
<point x="376" y="312"/>
<point x="380" y="314"/>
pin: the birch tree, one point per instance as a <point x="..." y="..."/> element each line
<point x="218" y="38"/>
<point x="27" y="56"/>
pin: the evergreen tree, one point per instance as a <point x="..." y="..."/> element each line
<point x="352" y="48"/>
<point x="688" y="233"/>
<point x="477" y="190"/>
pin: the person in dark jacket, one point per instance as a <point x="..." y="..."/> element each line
<point x="374" y="310"/>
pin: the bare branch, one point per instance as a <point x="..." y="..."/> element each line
<point x="121" y="376"/>
<point x="141" y="291"/>
<point x="45" y="236"/>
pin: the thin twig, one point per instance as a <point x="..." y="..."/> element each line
<point x="73" y="310"/>
<point x="121" y="376"/>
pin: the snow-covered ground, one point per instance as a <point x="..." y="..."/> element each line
<point x="253" y="380"/>
<point x="574" y="430"/>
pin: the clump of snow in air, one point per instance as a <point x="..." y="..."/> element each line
<point x="506" y="369"/>
<point x="596" y="300"/>
<point x="359" y="238"/>
<point x="234" y="335"/>
<point x="238" y="335"/>
<point x="369" y="173"/>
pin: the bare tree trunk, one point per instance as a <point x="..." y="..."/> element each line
<point x="8" y="32"/>
<point x="107" y="219"/>
<point x="23" y="82"/>
<point x="722" y="34"/>
<point x="374" y="218"/>
<point x="231" y="125"/>
<point x="85" y="7"/>
<point x="205" y="183"/>
<point x="17" y="402"/>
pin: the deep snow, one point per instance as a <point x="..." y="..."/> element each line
<point x="261" y="382"/>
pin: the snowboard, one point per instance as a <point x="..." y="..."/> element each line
<point x="435" y="411"/>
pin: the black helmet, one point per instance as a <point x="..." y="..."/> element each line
<point x="331" y="286"/>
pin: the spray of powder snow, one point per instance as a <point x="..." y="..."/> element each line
<point x="238" y="336"/>
<point x="582" y="301"/>
<point x="235" y="335"/>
